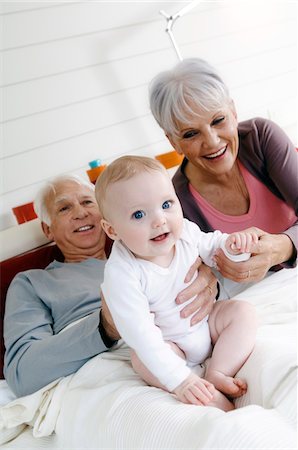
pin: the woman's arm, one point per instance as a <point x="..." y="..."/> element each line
<point x="271" y="250"/>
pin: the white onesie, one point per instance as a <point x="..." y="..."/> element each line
<point x="141" y="297"/>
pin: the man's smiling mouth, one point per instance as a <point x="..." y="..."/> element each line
<point x="84" y="228"/>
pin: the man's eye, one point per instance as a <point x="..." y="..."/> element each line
<point x="63" y="209"/>
<point x="88" y="202"/>
<point x="138" y="214"/>
<point x="167" y="204"/>
<point x="189" y="134"/>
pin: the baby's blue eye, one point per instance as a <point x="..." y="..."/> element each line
<point x="138" y="214"/>
<point x="167" y="204"/>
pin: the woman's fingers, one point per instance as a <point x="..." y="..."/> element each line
<point x="193" y="269"/>
<point x="243" y="272"/>
<point x="204" y="288"/>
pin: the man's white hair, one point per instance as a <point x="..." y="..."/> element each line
<point x="40" y="202"/>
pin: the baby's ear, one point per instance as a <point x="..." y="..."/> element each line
<point x="109" y="230"/>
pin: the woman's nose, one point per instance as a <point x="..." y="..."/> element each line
<point x="211" y="138"/>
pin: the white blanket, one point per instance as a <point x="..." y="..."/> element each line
<point x="106" y="406"/>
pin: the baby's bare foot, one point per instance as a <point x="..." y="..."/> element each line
<point x="220" y="401"/>
<point x="233" y="387"/>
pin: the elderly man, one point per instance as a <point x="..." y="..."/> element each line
<point x="53" y="321"/>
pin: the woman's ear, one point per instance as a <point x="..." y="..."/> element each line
<point x="109" y="230"/>
<point x="233" y="109"/>
<point x="47" y="231"/>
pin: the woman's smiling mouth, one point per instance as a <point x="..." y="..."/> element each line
<point x="216" y="154"/>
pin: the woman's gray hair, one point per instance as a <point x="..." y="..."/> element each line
<point x="40" y="202"/>
<point x="176" y="95"/>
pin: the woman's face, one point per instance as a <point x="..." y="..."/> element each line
<point x="210" y="140"/>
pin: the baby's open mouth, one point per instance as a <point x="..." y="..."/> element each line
<point x="161" y="237"/>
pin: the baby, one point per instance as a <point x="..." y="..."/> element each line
<point x="153" y="250"/>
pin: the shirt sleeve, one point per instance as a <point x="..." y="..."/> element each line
<point x="208" y="243"/>
<point x="281" y="161"/>
<point x="35" y="356"/>
<point x="130" y="310"/>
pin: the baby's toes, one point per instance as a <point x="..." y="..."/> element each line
<point x="240" y="383"/>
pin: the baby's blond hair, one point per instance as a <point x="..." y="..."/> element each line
<point x="123" y="168"/>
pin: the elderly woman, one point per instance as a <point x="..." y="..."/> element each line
<point x="234" y="175"/>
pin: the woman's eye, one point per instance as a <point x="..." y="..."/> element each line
<point x="189" y="134"/>
<point x="218" y="120"/>
<point x="138" y="214"/>
<point x="167" y="204"/>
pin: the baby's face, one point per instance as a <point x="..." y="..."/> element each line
<point x="146" y="214"/>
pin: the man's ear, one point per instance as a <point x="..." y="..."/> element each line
<point x="109" y="230"/>
<point x="174" y="144"/>
<point x="47" y="231"/>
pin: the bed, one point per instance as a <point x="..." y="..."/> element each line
<point x="105" y="405"/>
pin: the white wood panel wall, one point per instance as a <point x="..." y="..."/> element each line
<point x="74" y="78"/>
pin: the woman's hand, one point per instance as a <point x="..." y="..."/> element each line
<point x="107" y="321"/>
<point x="204" y="287"/>
<point x="271" y="250"/>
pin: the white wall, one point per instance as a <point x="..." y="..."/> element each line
<point x="74" y="78"/>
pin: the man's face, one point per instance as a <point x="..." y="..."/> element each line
<point x="75" y="220"/>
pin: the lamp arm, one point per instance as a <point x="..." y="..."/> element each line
<point x="172" y="19"/>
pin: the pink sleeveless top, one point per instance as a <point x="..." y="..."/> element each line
<point x="266" y="211"/>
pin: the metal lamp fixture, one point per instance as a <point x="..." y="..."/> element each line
<point x="171" y="21"/>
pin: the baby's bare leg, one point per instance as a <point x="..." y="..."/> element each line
<point x="233" y="327"/>
<point x="218" y="401"/>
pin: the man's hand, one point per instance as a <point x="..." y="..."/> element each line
<point x="195" y="390"/>
<point x="107" y="321"/>
<point x="204" y="287"/>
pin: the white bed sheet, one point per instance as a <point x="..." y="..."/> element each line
<point x="106" y="406"/>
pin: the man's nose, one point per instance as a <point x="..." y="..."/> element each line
<point x="79" y="212"/>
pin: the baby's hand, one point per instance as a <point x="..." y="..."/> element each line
<point x="195" y="390"/>
<point x="241" y="242"/>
